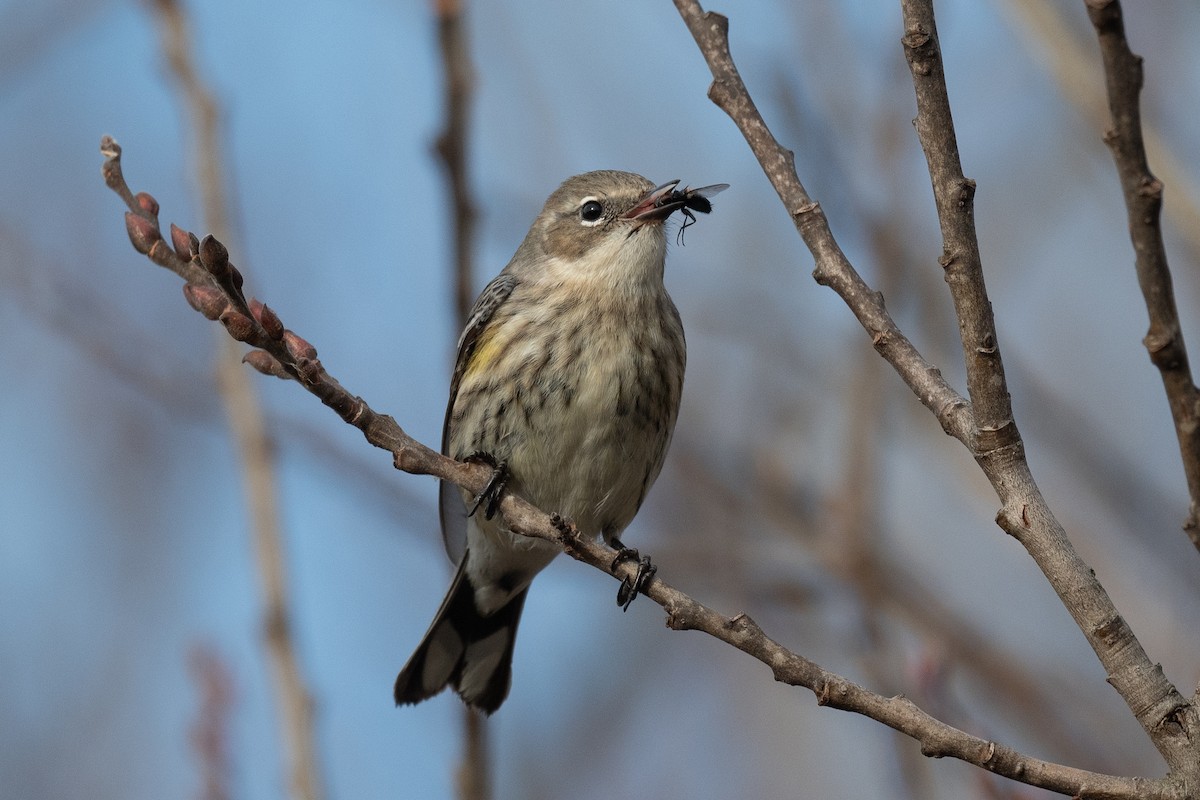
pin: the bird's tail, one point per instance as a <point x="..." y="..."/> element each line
<point x="464" y="649"/>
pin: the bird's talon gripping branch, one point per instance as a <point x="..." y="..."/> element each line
<point x="491" y="495"/>
<point x="631" y="588"/>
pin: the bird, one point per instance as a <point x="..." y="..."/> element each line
<point x="567" y="381"/>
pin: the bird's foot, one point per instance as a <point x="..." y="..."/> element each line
<point x="631" y="587"/>
<point x="490" y="497"/>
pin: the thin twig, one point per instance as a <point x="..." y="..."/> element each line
<point x="1143" y="201"/>
<point x="992" y="438"/>
<point x="249" y="427"/>
<point x="1071" y="65"/>
<point x="832" y="268"/>
<point x="217" y="294"/>
<point x="954" y="195"/>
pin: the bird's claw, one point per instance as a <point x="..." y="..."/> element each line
<point x="630" y="588"/>
<point x="492" y="493"/>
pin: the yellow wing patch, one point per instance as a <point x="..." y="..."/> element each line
<point x="487" y="348"/>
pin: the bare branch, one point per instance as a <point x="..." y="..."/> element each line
<point x="991" y="437"/>
<point x="954" y="195"/>
<point x="1143" y="200"/>
<point x="1071" y="64"/>
<point x="1158" y="706"/>
<point x="220" y="297"/>
<point x="832" y="268"/>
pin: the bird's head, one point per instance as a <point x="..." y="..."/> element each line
<point x="604" y="224"/>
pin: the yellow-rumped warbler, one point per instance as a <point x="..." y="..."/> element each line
<point x="567" y="380"/>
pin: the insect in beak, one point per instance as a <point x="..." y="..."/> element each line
<point x="668" y="198"/>
<point x="656" y="205"/>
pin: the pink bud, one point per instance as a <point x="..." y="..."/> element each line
<point x="298" y="347"/>
<point x="265" y="363"/>
<point x="147" y="203"/>
<point x="240" y="326"/>
<point x="142" y="232"/>
<point x="185" y="243"/>
<point x="271" y="323"/>
<point x="208" y="300"/>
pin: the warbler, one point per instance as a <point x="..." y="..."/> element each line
<point x="567" y="380"/>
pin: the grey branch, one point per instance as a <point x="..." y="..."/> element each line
<point x="1143" y="200"/>
<point x="984" y="426"/>
<point x="954" y="195"/>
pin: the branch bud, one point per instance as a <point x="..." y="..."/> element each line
<point x="213" y="256"/>
<point x="265" y="363"/>
<point x="147" y="203"/>
<point x="309" y="370"/>
<point x="297" y="347"/>
<point x="143" y="233"/>
<point x="208" y="300"/>
<point x="240" y="326"/>
<point x="186" y="244"/>
<point x="267" y="317"/>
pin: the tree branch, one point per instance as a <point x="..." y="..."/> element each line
<point x="1071" y="64"/>
<point x="1143" y="201"/>
<point x="832" y="268"/>
<point x="954" y="195"/>
<point x="214" y="287"/>
<point x="987" y="431"/>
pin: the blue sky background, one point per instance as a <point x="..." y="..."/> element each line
<point x="123" y="541"/>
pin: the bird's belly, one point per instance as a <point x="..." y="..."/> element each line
<point x="589" y="453"/>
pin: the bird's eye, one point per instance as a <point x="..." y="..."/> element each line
<point x="591" y="211"/>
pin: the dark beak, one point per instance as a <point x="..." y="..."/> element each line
<point x="655" y="207"/>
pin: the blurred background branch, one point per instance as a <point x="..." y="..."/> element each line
<point x="210" y="732"/>
<point x="474" y="772"/>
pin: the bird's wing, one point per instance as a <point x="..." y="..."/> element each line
<point x="451" y="509"/>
